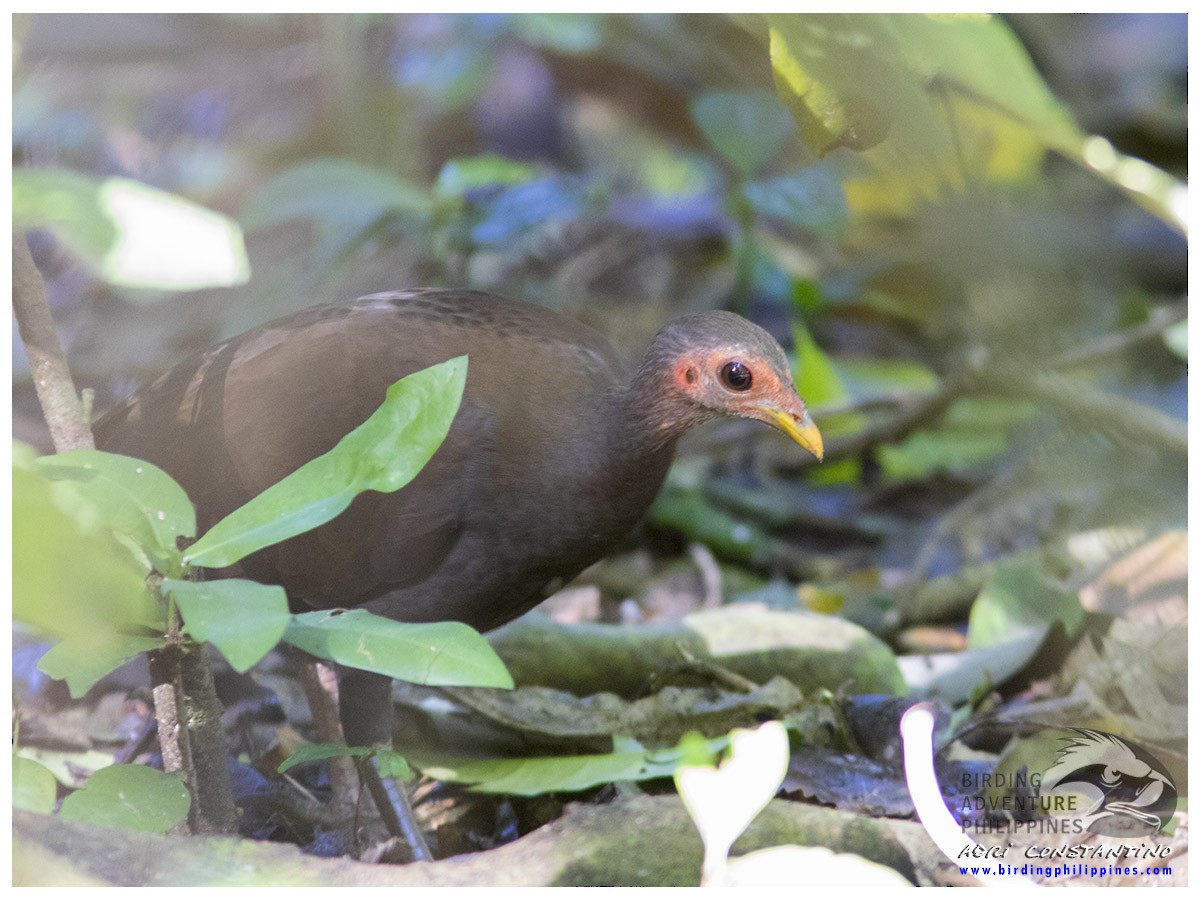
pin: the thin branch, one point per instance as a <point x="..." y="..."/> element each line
<point x="65" y="415"/>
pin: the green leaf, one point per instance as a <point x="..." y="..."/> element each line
<point x="934" y="102"/>
<point x="383" y="454"/>
<point x="458" y="176"/>
<point x="820" y="383"/>
<point x="556" y="774"/>
<point x="71" y="577"/>
<point x="389" y="763"/>
<point x="392" y="765"/>
<point x="82" y="660"/>
<point x="438" y="653"/>
<point x="129" y="796"/>
<point x="243" y="619"/>
<point x="133" y="235"/>
<point x="973" y="431"/>
<point x="746" y="127"/>
<point x="315" y="752"/>
<point x="138" y="499"/>
<point x="34" y="787"/>
<point x="1019" y="602"/>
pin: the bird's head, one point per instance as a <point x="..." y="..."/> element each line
<point x="718" y="364"/>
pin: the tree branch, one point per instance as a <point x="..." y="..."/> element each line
<point x="65" y="415"/>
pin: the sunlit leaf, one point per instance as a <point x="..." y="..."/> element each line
<point x="133" y="235"/>
<point x="137" y="498"/>
<point x="71" y="577"/>
<point x="821" y="385"/>
<point x="129" y="796"/>
<point x="383" y="454"/>
<point x="82" y="660"/>
<point x="243" y="619"/>
<point x="746" y="127"/>
<point x="34" y="787"/>
<point x="438" y="653"/>
<point x="557" y="774"/>
<point x="934" y="102"/>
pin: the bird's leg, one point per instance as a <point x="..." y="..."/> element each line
<point x="321" y="689"/>
<point x="365" y="703"/>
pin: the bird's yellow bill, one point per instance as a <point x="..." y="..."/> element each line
<point x="804" y="432"/>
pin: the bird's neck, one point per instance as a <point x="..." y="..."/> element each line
<point x="650" y="415"/>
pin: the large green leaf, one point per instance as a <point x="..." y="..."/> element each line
<point x="71" y="577"/>
<point x="935" y="101"/>
<point x="82" y="660"/>
<point x="243" y="619"/>
<point x="138" y="499"/>
<point x="34" y="787"/>
<point x="558" y="774"/>
<point x="129" y="796"/>
<point x="437" y="653"/>
<point x="133" y="235"/>
<point x="383" y="454"/>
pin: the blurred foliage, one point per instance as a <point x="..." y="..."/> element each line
<point x="910" y="202"/>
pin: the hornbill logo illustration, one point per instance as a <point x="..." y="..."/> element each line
<point x="1130" y="791"/>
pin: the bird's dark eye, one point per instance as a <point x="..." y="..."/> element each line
<point x="737" y="376"/>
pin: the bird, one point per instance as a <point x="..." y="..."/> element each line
<point x="554" y="454"/>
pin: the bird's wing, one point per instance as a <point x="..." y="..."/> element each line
<point x="231" y="422"/>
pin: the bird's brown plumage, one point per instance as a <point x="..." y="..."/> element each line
<point x="554" y="455"/>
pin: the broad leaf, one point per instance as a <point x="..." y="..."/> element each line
<point x="557" y="774"/>
<point x="133" y="235"/>
<point x="82" y="660"/>
<point x="34" y="787"/>
<point x="138" y="498"/>
<point x="71" y="577"/>
<point x="747" y="128"/>
<point x="243" y="619"/>
<point x="934" y="102"/>
<point x="438" y="653"/>
<point x="130" y="796"/>
<point x="383" y="454"/>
